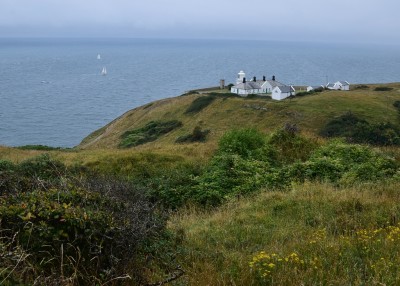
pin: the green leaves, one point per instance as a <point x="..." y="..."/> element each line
<point x="150" y="132"/>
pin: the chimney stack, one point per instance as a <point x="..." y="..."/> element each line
<point x="263" y="77"/>
<point x="273" y="78"/>
<point x="244" y="80"/>
<point x="254" y="78"/>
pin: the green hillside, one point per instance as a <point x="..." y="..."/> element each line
<point x="310" y="113"/>
<point x="213" y="189"/>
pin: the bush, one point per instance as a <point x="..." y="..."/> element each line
<point x="40" y="148"/>
<point x="338" y="162"/>
<point x="197" y="135"/>
<point x="341" y="126"/>
<point x="245" y="163"/>
<point x="289" y="146"/>
<point x="383" y="88"/>
<point x="78" y="233"/>
<point x="229" y="86"/>
<point x="200" y="103"/>
<point x="35" y="173"/>
<point x="361" y="86"/>
<point x="356" y="130"/>
<point x="247" y="143"/>
<point x="150" y="132"/>
<point x="228" y="175"/>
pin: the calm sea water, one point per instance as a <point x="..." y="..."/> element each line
<point x="52" y="91"/>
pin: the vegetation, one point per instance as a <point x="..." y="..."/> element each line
<point x="313" y="91"/>
<point x="227" y="111"/>
<point x="197" y="135"/>
<point x="357" y="130"/>
<point x="329" y="236"/>
<point x="200" y="103"/>
<point x="40" y="148"/>
<point x="383" y="88"/>
<point x="150" y="132"/>
<point x="56" y="229"/>
<point x="258" y="205"/>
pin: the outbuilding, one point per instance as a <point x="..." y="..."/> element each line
<point x="314" y="87"/>
<point x="339" y="85"/>
<point x="282" y="92"/>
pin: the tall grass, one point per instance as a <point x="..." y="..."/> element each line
<point x="327" y="228"/>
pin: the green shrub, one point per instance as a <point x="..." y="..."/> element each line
<point x="40" y="147"/>
<point x="356" y="130"/>
<point x="341" y="126"/>
<point x="150" y="132"/>
<point x="78" y="233"/>
<point x="289" y="146"/>
<point x="197" y="135"/>
<point x="35" y="173"/>
<point x="42" y="167"/>
<point x="229" y="86"/>
<point x="247" y="143"/>
<point x="200" y="103"/>
<point x="383" y="88"/>
<point x="338" y="162"/>
<point x="361" y="86"/>
<point x="228" y="175"/>
<point x="303" y="93"/>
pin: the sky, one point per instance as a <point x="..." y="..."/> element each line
<point x="293" y="20"/>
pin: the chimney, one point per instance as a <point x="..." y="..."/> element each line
<point x="263" y="77"/>
<point x="273" y="78"/>
<point x="254" y="78"/>
<point x="244" y="80"/>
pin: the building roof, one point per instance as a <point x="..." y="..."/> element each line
<point x="330" y="84"/>
<point x="248" y="85"/>
<point x="273" y="83"/>
<point x="343" y="82"/>
<point x="286" y="88"/>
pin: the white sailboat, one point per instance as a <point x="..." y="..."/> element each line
<point x="98" y="57"/>
<point x="104" y="71"/>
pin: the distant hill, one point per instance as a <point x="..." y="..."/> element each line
<point x="224" y="111"/>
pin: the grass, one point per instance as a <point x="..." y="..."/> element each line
<point x="224" y="246"/>
<point x="310" y="113"/>
<point x="199" y="104"/>
<point x="219" y="246"/>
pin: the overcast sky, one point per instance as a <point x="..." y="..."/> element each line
<point x="307" y="20"/>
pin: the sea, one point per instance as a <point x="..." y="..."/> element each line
<point x="52" y="91"/>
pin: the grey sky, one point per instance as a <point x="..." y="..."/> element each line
<point x="341" y="20"/>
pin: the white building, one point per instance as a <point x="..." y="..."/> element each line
<point x="282" y="92"/>
<point x="244" y="87"/>
<point x="314" y="87"/>
<point x="268" y="85"/>
<point x="241" y="75"/>
<point x="339" y="85"/>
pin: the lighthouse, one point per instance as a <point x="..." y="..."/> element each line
<point x="240" y="77"/>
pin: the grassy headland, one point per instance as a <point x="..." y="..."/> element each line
<point x="261" y="200"/>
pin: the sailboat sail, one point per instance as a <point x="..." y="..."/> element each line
<point x="104" y="71"/>
<point x="98" y="57"/>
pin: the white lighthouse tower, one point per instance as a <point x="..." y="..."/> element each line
<point x="240" y="77"/>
